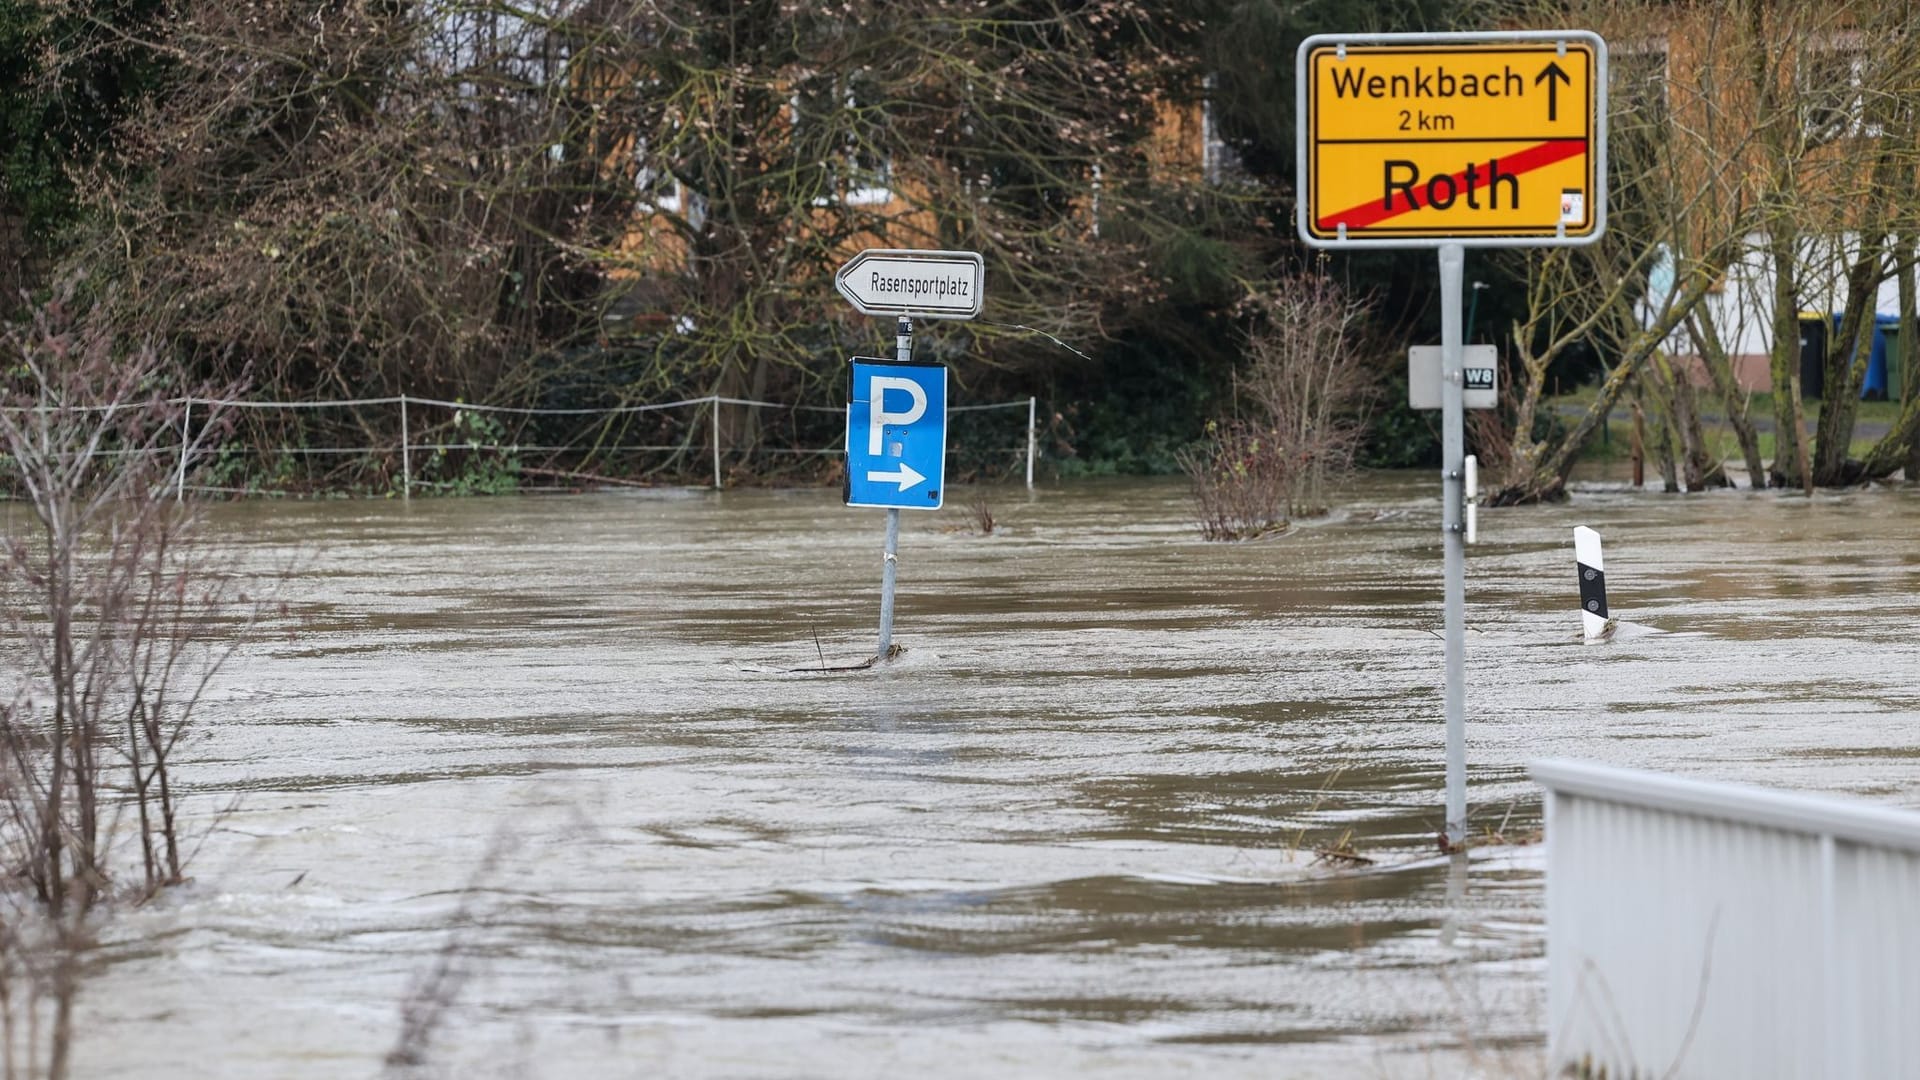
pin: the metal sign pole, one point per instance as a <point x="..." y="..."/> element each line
<point x="406" y="453"/>
<point x="1453" y="259"/>
<point x="1032" y="438"/>
<point x="889" y="570"/>
<point x="180" y="482"/>
<point x="715" y="418"/>
<point x="890" y="562"/>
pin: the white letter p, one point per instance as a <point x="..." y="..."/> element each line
<point x="879" y="417"/>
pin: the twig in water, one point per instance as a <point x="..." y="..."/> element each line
<point x="816" y="647"/>
<point x="1319" y="797"/>
<point x="982" y="517"/>
<point x="1342" y="852"/>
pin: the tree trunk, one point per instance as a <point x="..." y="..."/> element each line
<point x="1909" y="356"/>
<point x="65" y="988"/>
<point x="1790" y="434"/>
<point x="1523" y="453"/>
<point x="53" y="888"/>
<point x="1846" y="368"/>
<point x="1901" y="444"/>
<point x="1780" y="130"/>
<point x="1797" y="417"/>
<point x="1661" y="453"/>
<point x="1542" y="475"/>
<point x="1713" y="353"/>
<point x="1697" y="467"/>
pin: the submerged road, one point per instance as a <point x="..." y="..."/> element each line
<point x="551" y="747"/>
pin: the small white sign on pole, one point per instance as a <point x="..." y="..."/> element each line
<point x="1482" y="377"/>
<point x="931" y="284"/>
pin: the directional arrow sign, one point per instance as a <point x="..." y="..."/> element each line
<point x="904" y="475"/>
<point x="897" y="434"/>
<point x="931" y="284"/>
<point x="1416" y="140"/>
<point x="1553" y="77"/>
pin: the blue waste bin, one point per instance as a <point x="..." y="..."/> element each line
<point x="1881" y="383"/>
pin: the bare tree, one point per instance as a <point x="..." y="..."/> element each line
<point x="1308" y="375"/>
<point x="774" y="140"/>
<point x="1304" y="389"/>
<point x="1736" y="140"/>
<point x="622" y="200"/>
<point x="105" y="605"/>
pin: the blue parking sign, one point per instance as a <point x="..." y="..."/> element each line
<point x="897" y="434"/>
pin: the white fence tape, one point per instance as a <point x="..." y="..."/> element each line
<point x="406" y="444"/>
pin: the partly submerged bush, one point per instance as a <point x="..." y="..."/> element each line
<point x="113" y="618"/>
<point x="1241" y="475"/>
<point x="1303" y="391"/>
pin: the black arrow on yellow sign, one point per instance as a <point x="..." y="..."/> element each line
<point x="1553" y="77"/>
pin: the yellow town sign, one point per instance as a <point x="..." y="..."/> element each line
<point x="1413" y="140"/>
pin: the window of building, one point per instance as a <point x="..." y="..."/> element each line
<point x="1639" y="92"/>
<point x="1218" y="160"/>
<point x="850" y="114"/>
<point x="658" y="188"/>
<point x="1831" y="79"/>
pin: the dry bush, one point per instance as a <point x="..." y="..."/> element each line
<point x="106" y="604"/>
<point x="1241" y="474"/>
<point x="982" y="516"/>
<point x="592" y="204"/>
<point x="1309" y="375"/>
<point x="1305" y="386"/>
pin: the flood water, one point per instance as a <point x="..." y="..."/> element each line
<point x="552" y="745"/>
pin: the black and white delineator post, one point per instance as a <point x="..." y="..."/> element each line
<point x="1593" y="582"/>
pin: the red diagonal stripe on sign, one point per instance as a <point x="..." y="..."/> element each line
<point x="1374" y="211"/>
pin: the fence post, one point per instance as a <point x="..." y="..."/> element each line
<point x="406" y="454"/>
<point x="716" y="442"/>
<point x="180" y="480"/>
<point x="1031" y="437"/>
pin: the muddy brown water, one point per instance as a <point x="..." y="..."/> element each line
<point x="1073" y="831"/>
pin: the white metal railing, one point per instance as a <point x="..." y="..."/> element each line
<point x="188" y="447"/>
<point x="1701" y="929"/>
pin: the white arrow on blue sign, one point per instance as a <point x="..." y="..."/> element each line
<point x="897" y="434"/>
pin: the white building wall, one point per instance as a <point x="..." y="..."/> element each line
<point x="1742" y="307"/>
